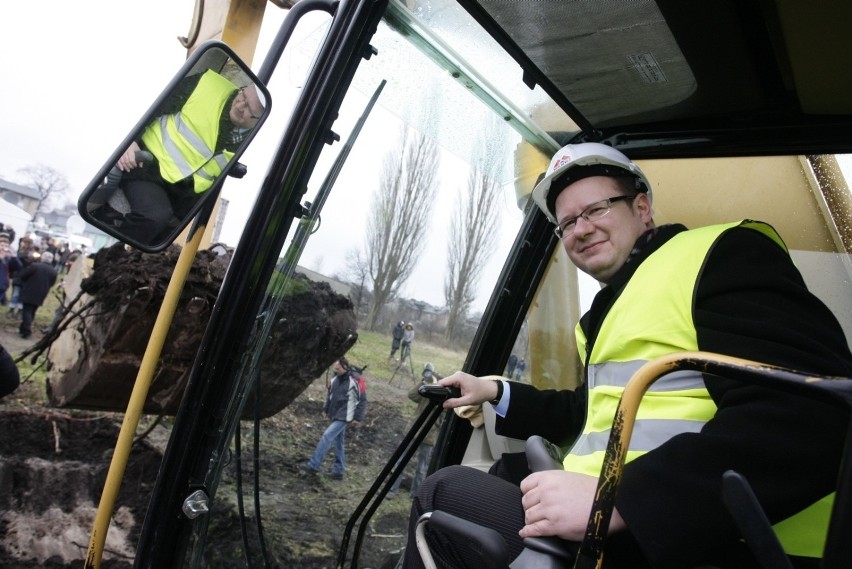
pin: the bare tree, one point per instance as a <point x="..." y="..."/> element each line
<point x="52" y="187"/>
<point x="398" y="218"/>
<point x="471" y="243"/>
<point x="357" y="272"/>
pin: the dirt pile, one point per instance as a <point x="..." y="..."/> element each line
<point x="95" y="359"/>
<point x="96" y="355"/>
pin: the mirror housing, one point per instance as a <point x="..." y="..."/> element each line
<point x="175" y="159"/>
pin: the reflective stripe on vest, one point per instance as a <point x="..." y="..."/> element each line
<point x="647" y="321"/>
<point x="184" y="142"/>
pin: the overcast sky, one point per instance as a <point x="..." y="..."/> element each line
<point x="66" y="103"/>
<point x="77" y="83"/>
<point x="80" y="74"/>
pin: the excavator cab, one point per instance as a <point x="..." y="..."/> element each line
<point x="735" y="109"/>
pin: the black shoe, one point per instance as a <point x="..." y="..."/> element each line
<point x="335" y="475"/>
<point x="26" y="336"/>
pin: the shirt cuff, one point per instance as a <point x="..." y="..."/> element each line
<point x="502" y="406"/>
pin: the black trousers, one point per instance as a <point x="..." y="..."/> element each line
<point x="154" y="203"/>
<point x="150" y="210"/>
<point x="473" y="495"/>
<point x="495" y="502"/>
<point x="27" y="316"/>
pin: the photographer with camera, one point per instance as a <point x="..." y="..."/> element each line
<point x="424" y="453"/>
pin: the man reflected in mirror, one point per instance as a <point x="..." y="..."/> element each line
<point x="180" y="154"/>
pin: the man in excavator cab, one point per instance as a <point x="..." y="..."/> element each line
<point x="730" y="289"/>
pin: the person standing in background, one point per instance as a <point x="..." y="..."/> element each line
<point x="396" y="335"/>
<point x="36" y="282"/>
<point x="407" y="338"/>
<point x="424" y="452"/>
<point x="9" y="265"/>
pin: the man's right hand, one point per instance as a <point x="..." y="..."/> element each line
<point x="558" y="503"/>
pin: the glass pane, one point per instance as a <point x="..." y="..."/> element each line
<point x="420" y="108"/>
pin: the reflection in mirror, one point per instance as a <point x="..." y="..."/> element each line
<point x="175" y="155"/>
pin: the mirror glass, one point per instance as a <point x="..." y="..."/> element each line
<point x="174" y="160"/>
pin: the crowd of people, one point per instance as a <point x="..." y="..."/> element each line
<point x="29" y="269"/>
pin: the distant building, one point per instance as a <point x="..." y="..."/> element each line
<point x="24" y="197"/>
<point x="52" y="224"/>
<point x="336" y="285"/>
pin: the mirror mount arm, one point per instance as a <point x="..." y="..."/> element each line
<point x="202" y="218"/>
<point x="238" y="170"/>
<point x="195" y="29"/>
<point x="303" y="211"/>
<point x="298" y="10"/>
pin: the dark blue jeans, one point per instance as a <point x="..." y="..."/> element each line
<point x="335" y="434"/>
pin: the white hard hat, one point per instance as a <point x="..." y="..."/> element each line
<point x="585" y="160"/>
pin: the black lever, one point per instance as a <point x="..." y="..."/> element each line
<point x="438" y="393"/>
<point x="543" y="454"/>
<point x="752" y="522"/>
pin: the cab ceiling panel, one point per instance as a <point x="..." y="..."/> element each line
<point x="730" y="74"/>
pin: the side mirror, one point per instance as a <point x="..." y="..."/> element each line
<point x="175" y="159"/>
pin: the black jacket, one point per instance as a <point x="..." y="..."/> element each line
<point x="751" y="302"/>
<point x="10" y="377"/>
<point x="36" y="281"/>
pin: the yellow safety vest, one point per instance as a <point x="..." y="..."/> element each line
<point x="185" y="142"/>
<point x="647" y="321"/>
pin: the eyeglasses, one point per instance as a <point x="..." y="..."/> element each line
<point x="245" y="100"/>
<point x="592" y="213"/>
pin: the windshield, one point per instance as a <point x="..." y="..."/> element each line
<point x="442" y="161"/>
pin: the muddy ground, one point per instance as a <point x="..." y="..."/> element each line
<point x="53" y="463"/>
